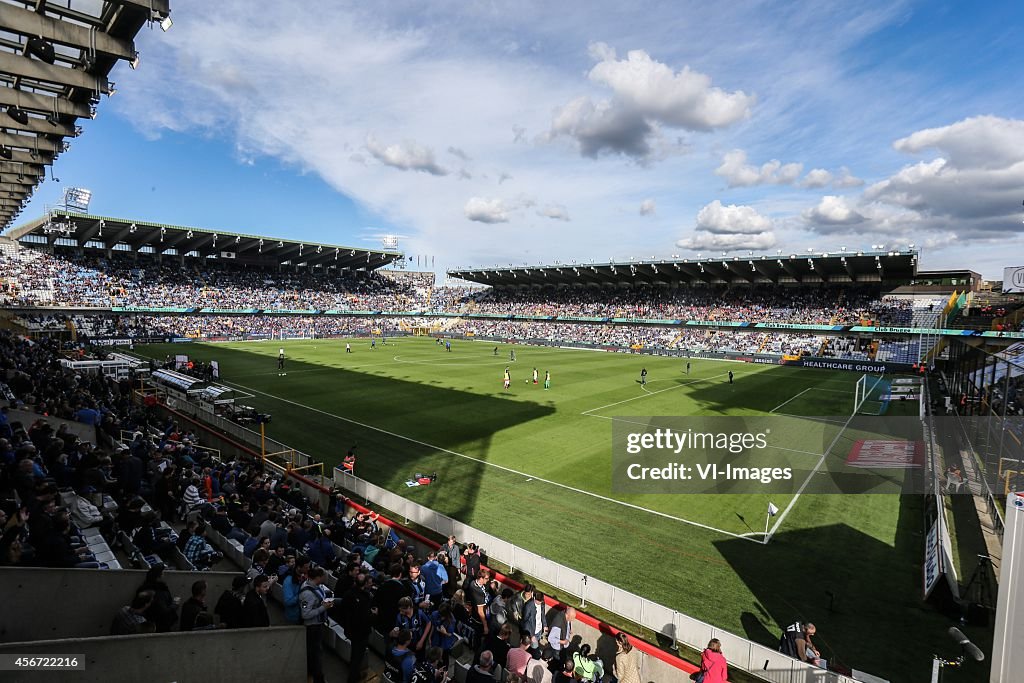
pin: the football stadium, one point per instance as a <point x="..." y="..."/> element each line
<point x="235" y="452"/>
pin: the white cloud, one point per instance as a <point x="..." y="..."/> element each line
<point x="712" y="242"/>
<point x="730" y="228"/>
<point x="680" y="99"/>
<point x="739" y="173"/>
<point x="646" y="96"/>
<point x="845" y="179"/>
<point x="731" y="219"/>
<point x="648" y="207"/>
<point x="832" y="210"/>
<point x="484" y="210"/>
<point x="817" y="177"/>
<point x="405" y="156"/>
<point x="984" y="142"/>
<point x="555" y="211"/>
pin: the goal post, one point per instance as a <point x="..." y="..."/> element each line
<point x="872" y="395"/>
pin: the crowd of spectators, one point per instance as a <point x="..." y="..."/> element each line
<point x="36" y="278"/>
<point x="809" y="305"/>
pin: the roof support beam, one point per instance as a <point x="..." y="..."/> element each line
<point x="44" y="104"/>
<point x="30" y="143"/>
<point x="43" y="157"/>
<point x="40" y="126"/>
<point x="24" y="67"/>
<point x="29" y="23"/>
<point x="16" y="169"/>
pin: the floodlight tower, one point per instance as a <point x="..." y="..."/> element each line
<point x="77" y="199"/>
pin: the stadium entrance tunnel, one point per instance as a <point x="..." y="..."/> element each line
<point x="860" y="583"/>
<point x="397" y="428"/>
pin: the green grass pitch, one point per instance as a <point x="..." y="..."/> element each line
<point x="533" y="467"/>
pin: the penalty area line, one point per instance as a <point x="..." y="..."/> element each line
<point x="497" y="466"/>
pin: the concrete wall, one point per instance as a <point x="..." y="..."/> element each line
<point x="46" y="604"/>
<point x="273" y="655"/>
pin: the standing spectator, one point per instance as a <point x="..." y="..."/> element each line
<point x="479" y="595"/>
<point x="627" y="664"/>
<point x="442" y="630"/>
<point x="163" y="611"/>
<point x="129" y="620"/>
<point x="454" y="553"/>
<point x="399" y="661"/>
<point x="472" y="561"/>
<point x="356" y="616"/>
<point x="314" y="601"/>
<point x="712" y="663"/>
<point x="229" y="605"/>
<point x="454" y="578"/>
<point x="535" y="618"/>
<point x="411" y="618"/>
<point x="254" y="608"/>
<point x="387" y="597"/>
<point x="560" y="631"/>
<point x="291" y="587"/>
<point x="193" y="606"/>
<point x="435" y="577"/>
<point x="321" y="551"/>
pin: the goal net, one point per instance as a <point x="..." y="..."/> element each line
<point x="872" y="395"/>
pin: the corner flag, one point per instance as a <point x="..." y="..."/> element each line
<point x="772" y="510"/>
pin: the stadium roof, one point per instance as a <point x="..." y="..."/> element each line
<point x="69" y="229"/>
<point x="54" y="63"/>
<point x="839" y="267"/>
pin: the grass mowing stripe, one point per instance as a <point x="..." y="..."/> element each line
<point x="491" y="464"/>
<point x="808" y="479"/>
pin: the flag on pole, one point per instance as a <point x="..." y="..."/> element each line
<point x="772" y="510"/>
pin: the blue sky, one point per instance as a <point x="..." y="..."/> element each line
<point x="494" y="133"/>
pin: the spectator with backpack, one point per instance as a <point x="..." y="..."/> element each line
<point x="314" y="601"/>
<point x="399" y="661"/>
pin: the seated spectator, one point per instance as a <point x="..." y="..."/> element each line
<point x="805" y="650"/>
<point x="483" y="671"/>
<point x="519" y="657"/>
<point x="198" y="551"/>
<point x="497" y="643"/>
<point x="129" y="620"/>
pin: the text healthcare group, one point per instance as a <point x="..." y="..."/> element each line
<point x="676" y="441"/>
